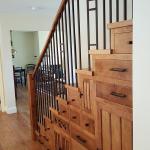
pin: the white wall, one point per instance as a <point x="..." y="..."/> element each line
<point x="19" y="23"/>
<point x="43" y="35"/>
<point x="141" y="75"/>
<point x="23" y="43"/>
<point x="36" y="46"/>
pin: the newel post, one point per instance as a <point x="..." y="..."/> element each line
<point x="32" y="104"/>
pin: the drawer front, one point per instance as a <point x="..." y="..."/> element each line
<point x="117" y="69"/>
<point x="88" y="124"/>
<point x="123" y="43"/>
<point x="75" y="116"/>
<point x="83" y="139"/>
<point x="115" y="93"/>
<point x="61" y="123"/>
<point x="64" y="111"/>
<point x="74" y="98"/>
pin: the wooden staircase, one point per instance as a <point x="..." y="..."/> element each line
<point x="97" y="114"/>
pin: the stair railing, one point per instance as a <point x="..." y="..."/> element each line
<point x="79" y="26"/>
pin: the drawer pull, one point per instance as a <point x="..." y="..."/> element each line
<point x="81" y="95"/>
<point x="73" y="100"/>
<point x="64" y="111"/>
<point x="118" y="69"/>
<point x="81" y="139"/>
<point x="118" y="95"/>
<point x="87" y="124"/>
<point x="74" y="117"/>
<point x="130" y="42"/>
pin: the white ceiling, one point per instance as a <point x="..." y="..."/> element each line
<point x="45" y="7"/>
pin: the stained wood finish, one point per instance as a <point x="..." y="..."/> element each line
<point x="82" y="138"/>
<point x="121" y="39"/>
<point x="88" y="124"/>
<point x="32" y="102"/>
<point x="116" y="69"/>
<point x="113" y="92"/>
<point x="116" y="128"/>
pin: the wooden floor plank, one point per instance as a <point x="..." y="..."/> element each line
<point x="15" y="129"/>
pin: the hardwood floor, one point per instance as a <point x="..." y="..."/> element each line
<point x="15" y="129"/>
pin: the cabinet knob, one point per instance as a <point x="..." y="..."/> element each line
<point x="130" y="42"/>
<point x="74" y="117"/>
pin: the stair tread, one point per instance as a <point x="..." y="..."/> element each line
<point x="99" y="51"/>
<point x="120" y="24"/>
<point x="85" y="72"/>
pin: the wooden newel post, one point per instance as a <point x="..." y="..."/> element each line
<point x="32" y="104"/>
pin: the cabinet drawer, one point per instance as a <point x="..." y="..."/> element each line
<point x="64" y="125"/>
<point x="123" y="43"/>
<point x="117" y="69"/>
<point x="115" y="93"/>
<point x="83" y="139"/>
<point x="88" y="124"/>
<point x="64" y="110"/>
<point x="75" y="116"/>
<point x="74" y="98"/>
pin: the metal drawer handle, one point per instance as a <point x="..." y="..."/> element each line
<point x="80" y="139"/>
<point x="73" y="100"/>
<point x="130" y="42"/>
<point x="74" y="117"/>
<point x="118" y="95"/>
<point x="81" y="95"/>
<point x="87" y="124"/>
<point x="64" y="111"/>
<point x="119" y="69"/>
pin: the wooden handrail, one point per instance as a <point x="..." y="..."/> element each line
<point x="59" y="13"/>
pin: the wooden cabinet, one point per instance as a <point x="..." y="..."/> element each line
<point x="62" y="141"/>
<point x="88" y="123"/>
<point x="121" y="37"/>
<point x="121" y="94"/>
<point x="114" y="126"/>
<point x="85" y="140"/>
<point x="114" y="67"/>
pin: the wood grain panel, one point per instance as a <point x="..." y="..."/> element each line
<point x="127" y="137"/>
<point x="113" y="92"/>
<point x="116" y="69"/>
<point x="106" y="131"/>
<point x="116" y="132"/>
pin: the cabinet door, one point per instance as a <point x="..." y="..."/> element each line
<point x="114" y="127"/>
<point x="87" y="103"/>
<point x="62" y="142"/>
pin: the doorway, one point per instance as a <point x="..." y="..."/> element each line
<point x="26" y="47"/>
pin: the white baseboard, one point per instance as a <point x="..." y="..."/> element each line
<point x="11" y="110"/>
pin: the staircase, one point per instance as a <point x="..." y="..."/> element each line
<point x="73" y="108"/>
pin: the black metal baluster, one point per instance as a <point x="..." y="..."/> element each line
<point x="117" y="10"/>
<point x="79" y="34"/>
<point x="55" y="70"/>
<point x="44" y="83"/>
<point x="88" y="32"/>
<point x="52" y="75"/>
<point x="74" y="37"/>
<point x="125" y="9"/>
<point x="61" y="62"/>
<point x="65" y="61"/>
<point x="96" y="9"/>
<point x="70" y="37"/>
<point x="58" y="63"/>
<point x="104" y="24"/>
<point x="47" y="83"/>
<point x="110" y="11"/>
<point x="66" y="37"/>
